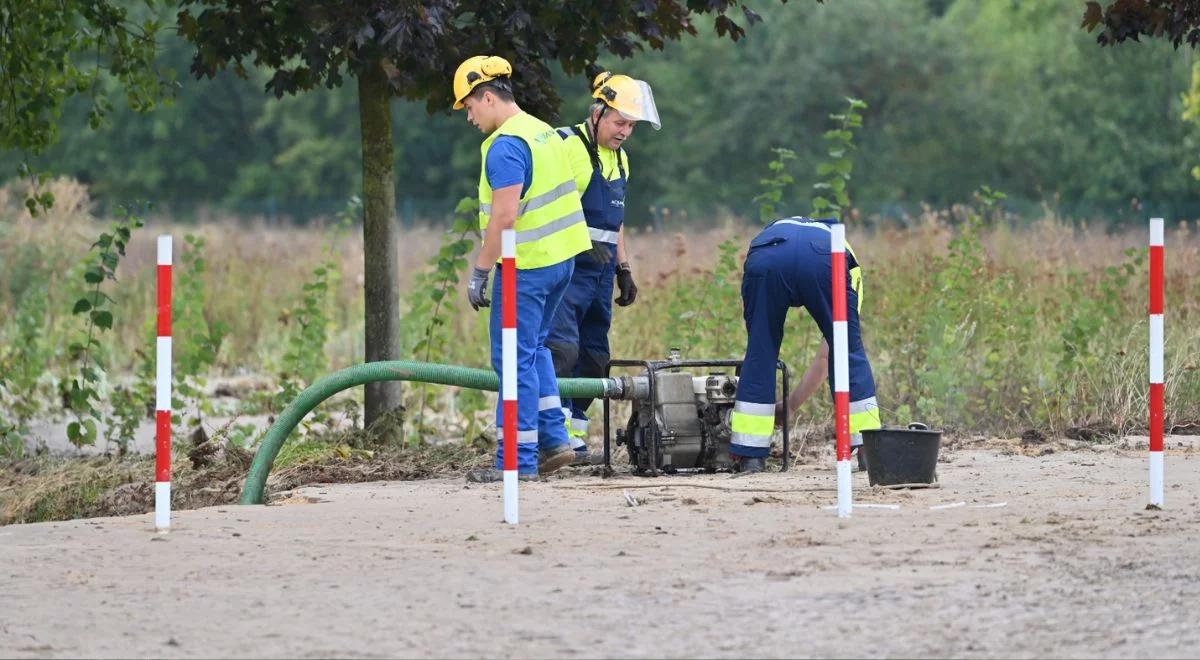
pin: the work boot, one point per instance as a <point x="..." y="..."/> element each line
<point x="555" y="458"/>
<point x="862" y="458"/>
<point x="583" y="456"/>
<point x="748" y="465"/>
<point x="491" y="475"/>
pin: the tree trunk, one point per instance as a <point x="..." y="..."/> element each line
<point x="380" y="270"/>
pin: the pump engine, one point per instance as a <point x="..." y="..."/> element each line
<point x="681" y="414"/>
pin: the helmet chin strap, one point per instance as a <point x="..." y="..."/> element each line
<point x="595" y="125"/>
<point x="592" y="140"/>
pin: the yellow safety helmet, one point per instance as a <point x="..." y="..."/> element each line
<point x="632" y="98"/>
<point x="475" y="71"/>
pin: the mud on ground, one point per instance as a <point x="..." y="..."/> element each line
<point x="208" y="473"/>
<point x="1029" y="553"/>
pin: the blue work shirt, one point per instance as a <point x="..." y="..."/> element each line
<point x="509" y="162"/>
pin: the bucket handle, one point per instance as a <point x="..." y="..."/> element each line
<point x="918" y="426"/>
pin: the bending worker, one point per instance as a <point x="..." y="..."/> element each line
<point x="525" y="183"/>
<point x="579" y="335"/>
<point x="789" y="265"/>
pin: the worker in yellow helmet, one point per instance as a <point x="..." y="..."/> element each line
<point x="579" y="335"/>
<point x="526" y="184"/>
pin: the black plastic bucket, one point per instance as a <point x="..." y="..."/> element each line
<point x="902" y="455"/>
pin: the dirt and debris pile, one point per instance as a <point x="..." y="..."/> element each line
<point x="207" y="472"/>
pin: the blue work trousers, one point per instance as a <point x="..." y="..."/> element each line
<point x="540" y="419"/>
<point x="579" y="336"/>
<point x="791" y="266"/>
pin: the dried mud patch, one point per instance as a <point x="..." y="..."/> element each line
<point x="207" y="474"/>
<point x="405" y="464"/>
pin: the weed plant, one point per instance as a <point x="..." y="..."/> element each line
<point x="975" y="320"/>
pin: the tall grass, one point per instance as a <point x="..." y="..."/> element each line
<point x="973" y="320"/>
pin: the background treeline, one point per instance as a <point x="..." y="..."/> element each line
<point x="961" y="93"/>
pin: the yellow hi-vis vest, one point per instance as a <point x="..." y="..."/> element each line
<point x="550" y="224"/>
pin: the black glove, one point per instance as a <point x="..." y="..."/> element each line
<point x="601" y="253"/>
<point x="625" y="285"/>
<point x="477" y="289"/>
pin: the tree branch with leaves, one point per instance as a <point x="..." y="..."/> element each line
<point x="410" y="49"/>
<point x="1178" y="21"/>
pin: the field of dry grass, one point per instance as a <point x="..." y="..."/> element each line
<point x="983" y="324"/>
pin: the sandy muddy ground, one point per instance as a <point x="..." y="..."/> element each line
<point x="1070" y="565"/>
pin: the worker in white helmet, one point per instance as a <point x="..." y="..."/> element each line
<point x="579" y="335"/>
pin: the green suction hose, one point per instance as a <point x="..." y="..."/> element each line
<point x="374" y="372"/>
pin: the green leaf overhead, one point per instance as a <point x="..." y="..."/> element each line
<point x="309" y="44"/>
<point x="53" y="50"/>
<point x="1177" y="21"/>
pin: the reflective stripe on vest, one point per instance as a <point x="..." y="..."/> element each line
<point x="530" y="235"/>
<point x="535" y="203"/>
<point x="550" y="224"/>
<point x="603" y="235"/>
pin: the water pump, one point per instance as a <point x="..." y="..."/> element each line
<point x="681" y="414"/>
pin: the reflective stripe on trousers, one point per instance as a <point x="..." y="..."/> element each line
<point x="577" y="430"/>
<point x="523" y="437"/>
<point x="753" y="424"/>
<point x="864" y="416"/>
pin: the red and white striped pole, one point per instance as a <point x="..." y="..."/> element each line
<point x="508" y="383"/>
<point x="841" y="369"/>
<point x="1157" y="250"/>
<point x="162" y="415"/>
